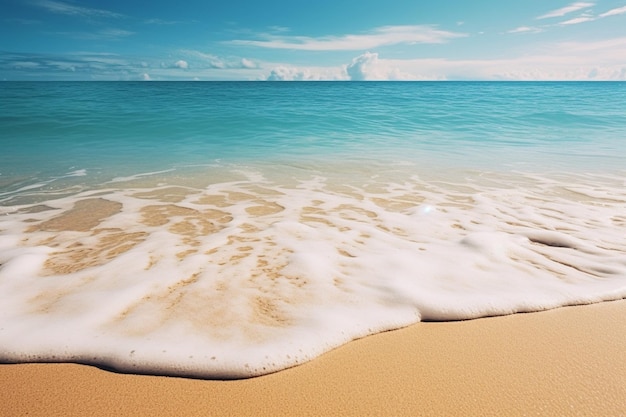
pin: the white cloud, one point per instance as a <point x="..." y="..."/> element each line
<point x="362" y="67"/>
<point x="607" y="49"/>
<point x="368" y="67"/>
<point x="106" y="66"/>
<point x="61" y="65"/>
<point x="104" y="34"/>
<point x="162" y="22"/>
<point x="209" y="60"/>
<point x="291" y="73"/>
<point x="204" y="60"/>
<point x="589" y="18"/>
<point x="365" y="67"/>
<point x="72" y="10"/>
<point x="599" y="60"/>
<point x="526" y="29"/>
<point x="382" y="36"/>
<point x="583" y="18"/>
<point x="25" y="64"/>
<point x="181" y="64"/>
<point x="286" y="73"/>
<point x="577" y="20"/>
<point x="114" y="33"/>
<point x="247" y="63"/>
<point x="279" y="28"/>
<point x="614" y="12"/>
<point x="574" y="7"/>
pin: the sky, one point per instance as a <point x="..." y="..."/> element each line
<point x="312" y="40"/>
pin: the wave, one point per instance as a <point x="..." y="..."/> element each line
<point x="263" y="270"/>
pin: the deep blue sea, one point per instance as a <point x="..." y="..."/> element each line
<point x="231" y="229"/>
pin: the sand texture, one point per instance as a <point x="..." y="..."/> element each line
<point x="567" y="362"/>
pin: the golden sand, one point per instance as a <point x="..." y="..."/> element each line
<point x="565" y="362"/>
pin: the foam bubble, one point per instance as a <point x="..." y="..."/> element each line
<point x="141" y="175"/>
<point x="77" y="173"/>
<point x="22" y="189"/>
<point x="264" y="268"/>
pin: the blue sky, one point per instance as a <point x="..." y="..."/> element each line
<point x="323" y="39"/>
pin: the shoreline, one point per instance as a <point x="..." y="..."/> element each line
<point x="566" y="361"/>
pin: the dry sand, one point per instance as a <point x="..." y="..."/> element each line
<point x="565" y="362"/>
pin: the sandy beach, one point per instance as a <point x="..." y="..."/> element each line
<point x="568" y="361"/>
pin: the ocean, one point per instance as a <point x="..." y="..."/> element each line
<point x="233" y="229"/>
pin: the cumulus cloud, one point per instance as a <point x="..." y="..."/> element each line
<point x="290" y="73"/>
<point x="368" y="67"/>
<point x="574" y="7"/>
<point x="362" y="66"/>
<point x="597" y="60"/>
<point x="181" y="64"/>
<point x="365" y="67"/>
<point x="247" y="63"/>
<point x="382" y="36"/>
<point x="285" y="73"/>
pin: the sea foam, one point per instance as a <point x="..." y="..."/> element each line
<point x="241" y="271"/>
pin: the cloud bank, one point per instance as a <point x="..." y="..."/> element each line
<point x="382" y="36"/>
<point x="292" y="73"/>
<point x="365" y="67"/>
<point x="114" y="67"/>
<point x="565" y="61"/>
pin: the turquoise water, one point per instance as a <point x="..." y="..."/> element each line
<point x="49" y="129"/>
<point x="227" y="230"/>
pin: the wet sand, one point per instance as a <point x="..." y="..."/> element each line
<point x="568" y="362"/>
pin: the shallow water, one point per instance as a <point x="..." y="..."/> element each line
<point x="227" y="230"/>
